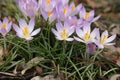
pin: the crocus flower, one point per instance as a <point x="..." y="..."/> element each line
<point x="29" y="7"/>
<point x="104" y="39"/>
<point x="26" y="30"/>
<point x="5" y="26"/>
<point x="63" y="31"/>
<point x="48" y="5"/>
<point x="74" y="21"/>
<point x="48" y="10"/>
<point x="87" y="17"/>
<point x="85" y="35"/>
<point x="91" y="47"/>
<point x="74" y="9"/>
<point x="63" y="12"/>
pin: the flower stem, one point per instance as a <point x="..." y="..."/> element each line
<point x="5" y="47"/>
<point x="28" y="45"/>
<point x="87" y="53"/>
<point x="97" y="53"/>
<point x="64" y="47"/>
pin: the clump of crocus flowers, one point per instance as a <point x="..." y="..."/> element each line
<point x="64" y="14"/>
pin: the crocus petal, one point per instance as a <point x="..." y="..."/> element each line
<point x="87" y="28"/>
<point x="79" y="7"/>
<point x="91" y="13"/>
<point x="22" y="23"/>
<point x="59" y="26"/>
<point x="5" y="20"/>
<point x="30" y="38"/>
<point x="3" y="31"/>
<point x="105" y="33"/>
<point x="110" y="38"/>
<point x="93" y="34"/>
<point x="78" y="39"/>
<point x="55" y="32"/>
<point x="64" y="2"/>
<point x="96" y="18"/>
<point x="71" y="31"/>
<point x="69" y="39"/>
<point x="35" y="32"/>
<point x="100" y="46"/>
<point x="31" y="25"/>
<point x="82" y="12"/>
<point x="79" y="32"/>
<point x="52" y="18"/>
<point x="9" y="27"/>
<point x="98" y="35"/>
<point x="19" y="34"/>
<point x="16" y="28"/>
<point x="58" y="38"/>
<point x="44" y="14"/>
<point x="110" y="44"/>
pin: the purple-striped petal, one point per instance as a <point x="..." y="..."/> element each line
<point x="79" y="32"/>
<point x="31" y="25"/>
<point x="82" y="12"/>
<point x="30" y="38"/>
<point x="55" y="32"/>
<point x="69" y="39"/>
<point x="110" y="38"/>
<point x="35" y="32"/>
<point x="78" y="39"/>
<point x="22" y="23"/>
<point x="110" y="44"/>
<point x="105" y="33"/>
<point x="5" y="20"/>
<point x="96" y="18"/>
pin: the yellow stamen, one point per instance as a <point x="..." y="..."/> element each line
<point x="25" y="30"/>
<point x="103" y="38"/>
<point x="48" y="1"/>
<point x="73" y="7"/>
<point x="49" y="13"/>
<point x="26" y="36"/>
<point x="63" y="34"/>
<point x="4" y="25"/>
<point x="74" y="21"/>
<point x="86" y="15"/>
<point x="86" y="36"/>
<point x="64" y="10"/>
<point x="30" y="7"/>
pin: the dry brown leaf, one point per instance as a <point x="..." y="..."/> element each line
<point x="39" y="69"/>
<point x="1" y="52"/>
<point x="48" y="77"/>
<point x="33" y="62"/>
<point x="93" y="4"/>
<point x="115" y="77"/>
<point x="116" y="30"/>
<point x="118" y="62"/>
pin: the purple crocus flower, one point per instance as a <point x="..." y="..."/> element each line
<point x="104" y="39"/>
<point x="74" y="21"/>
<point x="91" y="48"/>
<point x="50" y="16"/>
<point x="63" y="31"/>
<point x="63" y="12"/>
<point x="29" y="7"/>
<point x="5" y="26"/>
<point x="85" y="35"/>
<point x="26" y="30"/>
<point x="87" y="17"/>
<point x="48" y="10"/>
<point x="48" y="5"/>
<point x="74" y="9"/>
